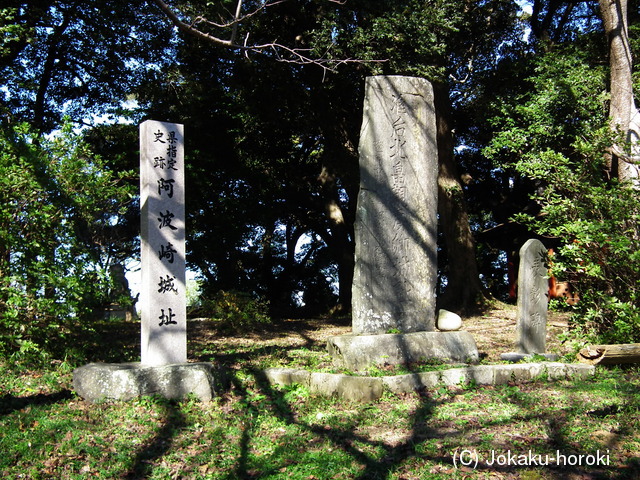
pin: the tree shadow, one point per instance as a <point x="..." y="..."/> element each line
<point x="346" y="439"/>
<point x="11" y="403"/>
<point x="394" y="455"/>
<point x="297" y="333"/>
<point x="174" y="422"/>
<point x="376" y="455"/>
<point x="380" y="458"/>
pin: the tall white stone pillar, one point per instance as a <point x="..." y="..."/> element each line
<point x="163" y="292"/>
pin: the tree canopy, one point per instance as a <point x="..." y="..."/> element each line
<point x="271" y="96"/>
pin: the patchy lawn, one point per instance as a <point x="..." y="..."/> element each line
<point x="580" y="429"/>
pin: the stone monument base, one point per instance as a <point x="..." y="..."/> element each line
<point x="123" y="381"/>
<point x="516" y="357"/>
<point x="359" y="352"/>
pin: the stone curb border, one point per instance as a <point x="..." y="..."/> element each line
<point x="366" y="389"/>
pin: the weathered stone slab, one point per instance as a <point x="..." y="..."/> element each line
<point x="368" y="388"/>
<point x="454" y="376"/>
<point x="579" y="370"/>
<point x="396" y="226"/>
<point x="359" y="352"/>
<point x="517" y="357"/>
<point x="513" y="373"/>
<point x="481" y="374"/>
<point x="559" y="371"/>
<point x="530" y="371"/>
<point x="123" y="381"/>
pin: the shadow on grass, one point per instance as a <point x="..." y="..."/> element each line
<point x="113" y="341"/>
<point x="296" y="333"/>
<point x="347" y="438"/>
<point x="559" y="425"/>
<point x="429" y="440"/>
<point x="343" y="449"/>
<point x="118" y="340"/>
<point x="12" y="403"/>
<point x="153" y="451"/>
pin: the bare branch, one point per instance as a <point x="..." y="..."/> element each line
<point x="191" y="29"/>
<point x="628" y="150"/>
<point x="234" y="32"/>
<point x="282" y="53"/>
<point x="237" y="19"/>
<point x="469" y="72"/>
<point x="625" y="156"/>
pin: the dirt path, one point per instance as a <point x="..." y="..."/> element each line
<point x="494" y="332"/>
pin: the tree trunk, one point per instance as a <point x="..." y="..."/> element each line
<point x="463" y="289"/>
<point x="40" y="104"/>
<point x="624" y="117"/>
<point x="341" y="240"/>
<point x="5" y="256"/>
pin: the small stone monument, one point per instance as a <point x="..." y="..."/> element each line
<point x="394" y="301"/>
<point x="533" y="288"/>
<point x="163" y="369"/>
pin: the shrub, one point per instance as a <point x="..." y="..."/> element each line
<point x="558" y="138"/>
<point x="57" y="205"/>
<point x="235" y="311"/>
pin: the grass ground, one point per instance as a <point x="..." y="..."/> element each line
<point x="254" y="430"/>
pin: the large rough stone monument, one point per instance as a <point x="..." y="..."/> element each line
<point x="533" y="288"/>
<point x="395" y="232"/>
<point x="163" y="369"/>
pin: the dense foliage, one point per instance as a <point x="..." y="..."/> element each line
<point x="272" y="163"/>
<point x="77" y="58"/>
<point x="556" y="135"/>
<point x="60" y="212"/>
